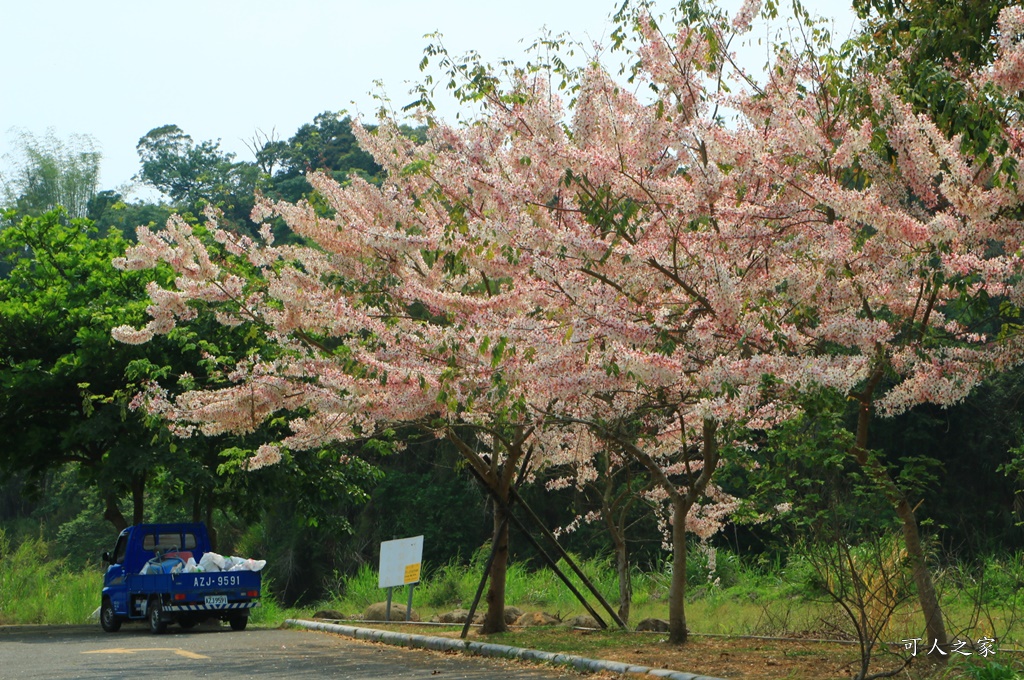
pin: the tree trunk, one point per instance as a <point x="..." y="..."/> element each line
<point x="681" y="504"/>
<point x="138" y="497"/>
<point x="210" y="529"/>
<point x="615" y="512"/>
<point x="112" y="513"/>
<point x="499" y="478"/>
<point x="935" y="626"/>
<point x="622" y="571"/>
<point x="494" y="621"/>
<point x="677" y="632"/>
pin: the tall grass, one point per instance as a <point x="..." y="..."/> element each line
<point x="726" y="595"/>
<point x="270" y="613"/>
<point x="37" y="589"/>
<point x="453" y="586"/>
<point x="358" y="591"/>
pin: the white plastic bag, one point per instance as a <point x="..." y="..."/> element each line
<point x="211" y="561"/>
<point x="241" y="564"/>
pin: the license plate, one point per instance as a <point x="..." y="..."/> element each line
<point x="216" y="600"/>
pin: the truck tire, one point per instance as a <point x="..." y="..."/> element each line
<point x="154" y="613"/>
<point x="239" y="621"/>
<point x="109" y="621"/>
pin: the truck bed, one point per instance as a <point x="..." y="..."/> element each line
<point x="189" y="592"/>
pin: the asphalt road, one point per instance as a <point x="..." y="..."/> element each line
<point x="64" y="652"/>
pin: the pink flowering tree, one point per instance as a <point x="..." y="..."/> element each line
<point x="656" y="253"/>
<point x="808" y="242"/>
<point x="899" y="236"/>
<point x="497" y="290"/>
<point x="870" y="238"/>
<point x="375" y="325"/>
<point x="914" y="236"/>
<point x="615" y="220"/>
<point x="543" y="282"/>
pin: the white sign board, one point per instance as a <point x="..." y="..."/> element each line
<point x="400" y="561"/>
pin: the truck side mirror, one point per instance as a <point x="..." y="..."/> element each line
<point x="106" y="557"/>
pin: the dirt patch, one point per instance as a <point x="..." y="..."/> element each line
<point x="733" y="658"/>
<point x="739" y="658"/>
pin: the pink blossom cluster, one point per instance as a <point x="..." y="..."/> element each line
<point x="749" y="10"/>
<point x="549" y="269"/>
<point x="1008" y="70"/>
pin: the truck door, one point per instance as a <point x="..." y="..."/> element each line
<point x="114" y="580"/>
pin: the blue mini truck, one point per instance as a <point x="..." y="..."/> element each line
<point x="145" y="581"/>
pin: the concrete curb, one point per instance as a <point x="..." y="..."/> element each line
<point x="441" y="644"/>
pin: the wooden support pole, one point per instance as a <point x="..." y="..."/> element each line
<point x="558" y="571"/>
<point x="565" y="556"/>
<point x="543" y="553"/>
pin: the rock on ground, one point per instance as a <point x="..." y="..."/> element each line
<point x="378" y="611"/>
<point x="536" y="619"/>
<point x="655" y="625"/>
<point x="457" y="616"/>
<point x="512" y="615"/>
<point x="583" y="621"/>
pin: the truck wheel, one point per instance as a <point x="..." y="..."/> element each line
<point x="156" y="624"/>
<point x="109" y="621"/>
<point x="239" y="622"/>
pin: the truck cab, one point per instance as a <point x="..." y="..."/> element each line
<point x="147" y="579"/>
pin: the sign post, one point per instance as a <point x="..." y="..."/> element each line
<point x="400" y="562"/>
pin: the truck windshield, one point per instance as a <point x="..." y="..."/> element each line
<point x="156" y="542"/>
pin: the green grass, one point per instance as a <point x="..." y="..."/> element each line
<point x="991" y="670"/>
<point x="734" y="599"/>
<point x="270" y="613"/>
<point x="37" y="589"/>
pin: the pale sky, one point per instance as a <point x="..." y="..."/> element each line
<point x="222" y="69"/>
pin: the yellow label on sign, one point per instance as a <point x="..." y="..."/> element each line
<point x="412" y="573"/>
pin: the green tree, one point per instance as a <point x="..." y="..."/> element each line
<point x="109" y="209"/>
<point x="195" y="174"/>
<point x="325" y="144"/>
<point x="65" y="383"/>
